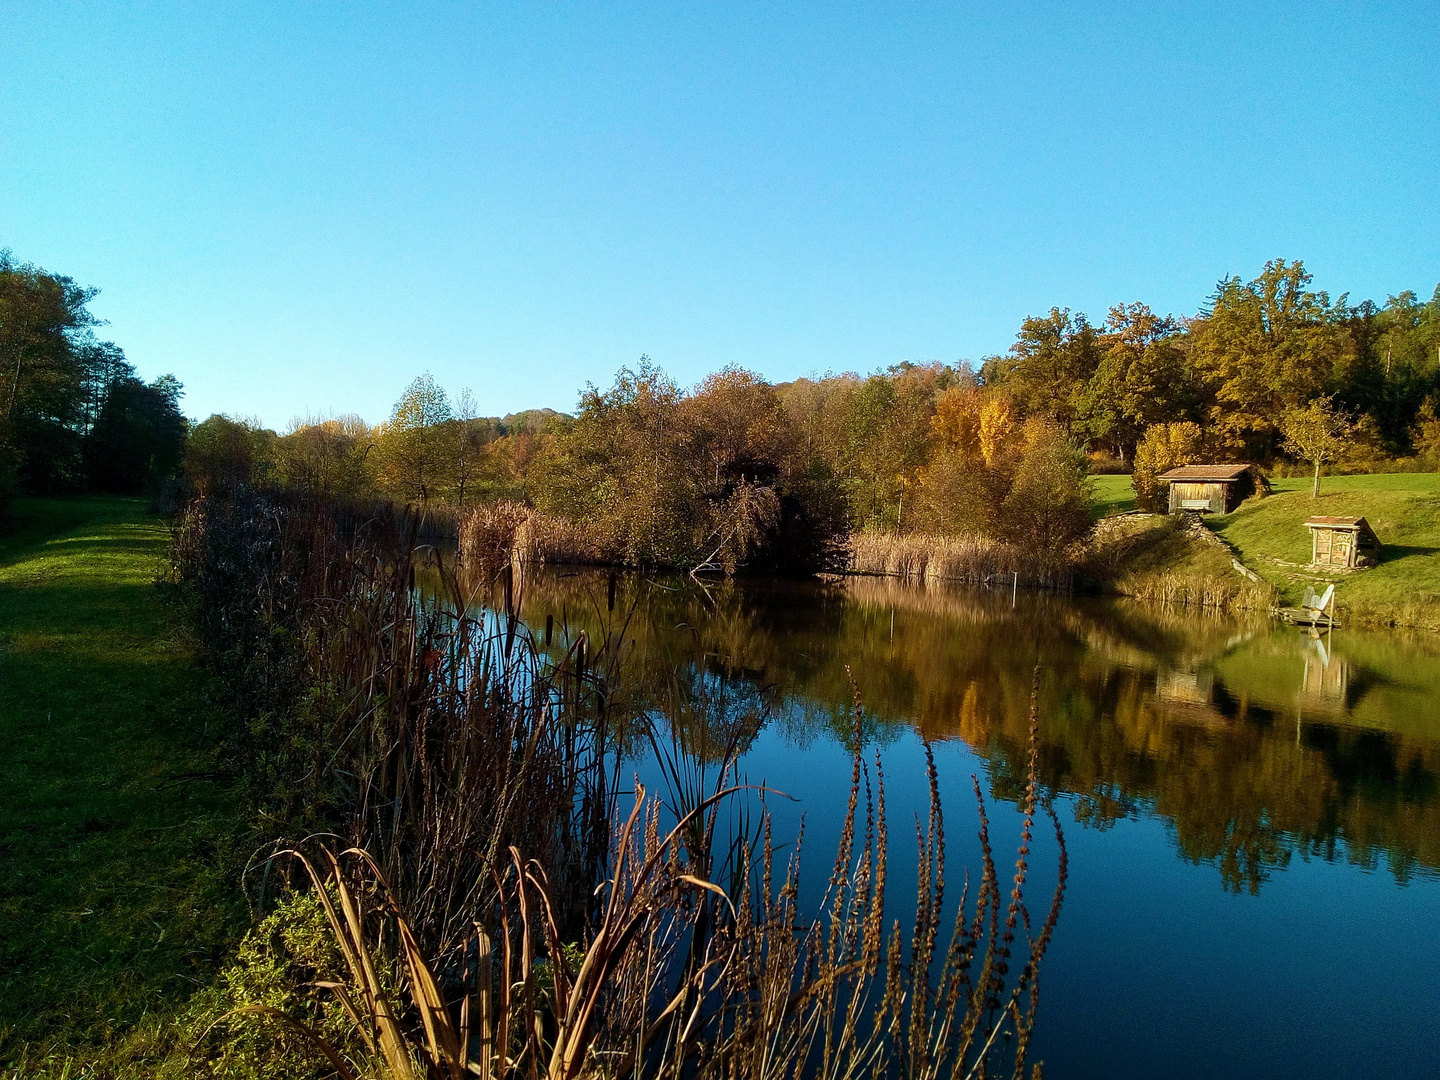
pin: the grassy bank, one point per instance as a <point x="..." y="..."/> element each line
<point x="1404" y="510"/>
<point x="1270" y="538"/>
<point x="114" y="829"/>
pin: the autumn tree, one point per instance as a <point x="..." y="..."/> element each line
<point x="1048" y="505"/>
<point x="471" y="437"/>
<point x="1317" y="433"/>
<point x="328" y="458"/>
<point x="977" y="440"/>
<point x="414" y="447"/>
<point x="1165" y="447"/>
<point x="622" y="468"/>
<point x="1425" y="435"/>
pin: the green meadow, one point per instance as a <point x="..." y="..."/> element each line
<point x="1270" y="537"/>
<point x="117" y="826"/>
<point x="1111" y="494"/>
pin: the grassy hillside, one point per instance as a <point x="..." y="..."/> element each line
<point x="1404" y="510"/>
<point x="1269" y="536"/>
<point x="114" y="827"/>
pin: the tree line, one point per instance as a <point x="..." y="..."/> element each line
<point x="1269" y="372"/>
<point x="76" y="416"/>
<point x="740" y="470"/>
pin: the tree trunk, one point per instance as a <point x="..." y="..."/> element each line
<point x="1315" y="491"/>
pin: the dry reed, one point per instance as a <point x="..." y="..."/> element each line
<point x="428" y="729"/>
<point x="1205" y="591"/>
<point x="502" y="533"/>
<point x="968" y="558"/>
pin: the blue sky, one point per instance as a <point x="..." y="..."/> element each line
<point x="298" y="208"/>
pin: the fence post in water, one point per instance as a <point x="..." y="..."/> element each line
<point x="1015" y="588"/>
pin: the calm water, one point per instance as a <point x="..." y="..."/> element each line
<point x="1252" y="814"/>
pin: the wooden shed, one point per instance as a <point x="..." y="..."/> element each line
<point x="1209" y="489"/>
<point x="1342" y="541"/>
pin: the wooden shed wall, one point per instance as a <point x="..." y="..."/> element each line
<point x="1182" y="492"/>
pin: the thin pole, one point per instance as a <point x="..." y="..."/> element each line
<point x="1015" y="588"/>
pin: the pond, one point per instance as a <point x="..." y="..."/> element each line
<point x="1251" y="812"/>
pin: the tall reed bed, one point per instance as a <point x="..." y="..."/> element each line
<point x="967" y="558"/>
<point x="429" y="736"/>
<point x="1208" y="592"/>
<point x="502" y="533"/>
<point x="491" y="912"/>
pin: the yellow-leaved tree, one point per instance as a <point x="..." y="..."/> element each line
<point x="1164" y="447"/>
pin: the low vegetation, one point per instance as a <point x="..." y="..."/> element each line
<point x="1174" y="562"/>
<point x="973" y="559"/>
<point x="119" y="826"/>
<point x="498" y="906"/>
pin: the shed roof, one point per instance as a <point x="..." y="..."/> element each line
<point x="1215" y="474"/>
<point x="1328" y="522"/>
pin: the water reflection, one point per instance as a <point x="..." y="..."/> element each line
<point x="1254" y="743"/>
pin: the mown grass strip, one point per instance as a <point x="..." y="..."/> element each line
<point x="117" y="826"/>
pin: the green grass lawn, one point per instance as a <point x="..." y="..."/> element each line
<point x="115" y="832"/>
<point x="1404" y="510"/>
<point x="1111" y="495"/>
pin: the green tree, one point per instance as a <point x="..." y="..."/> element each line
<point x="1050" y="366"/>
<point x="44" y="322"/>
<point x="1264" y="347"/>
<point x="225" y="455"/>
<point x="1142" y="379"/>
<point x="137" y="439"/>
<point x="1317" y="433"/>
<point x="415" y="448"/>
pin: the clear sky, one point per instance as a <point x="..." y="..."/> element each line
<point x="297" y="208"/>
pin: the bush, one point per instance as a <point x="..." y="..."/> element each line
<point x="1104" y="463"/>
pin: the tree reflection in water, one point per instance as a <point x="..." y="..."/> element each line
<point x="1253" y="742"/>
